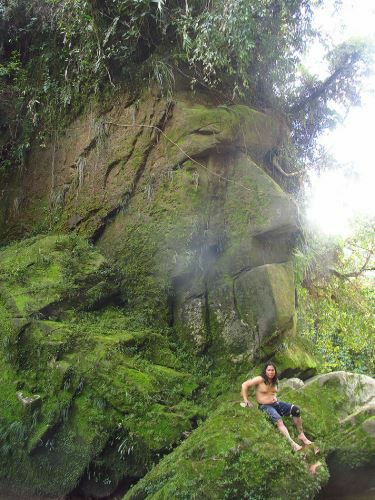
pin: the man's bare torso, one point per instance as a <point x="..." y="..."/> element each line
<point x="265" y="394"/>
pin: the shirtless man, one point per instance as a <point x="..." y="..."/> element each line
<point x="265" y="394"/>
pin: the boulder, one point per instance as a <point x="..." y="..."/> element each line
<point x="190" y="214"/>
<point x="293" y="358"/>
<point x="265" y="297"/>
<point x="226" y="455"/>
<point x="42" y="276"/>
<point x="292" y="383"/>
<point x="179" y="195"/>
<point x="358" y="389"/>
<point x="91" y="396"/>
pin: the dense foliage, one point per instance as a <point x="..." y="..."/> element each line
<point x="55" y="55"/>
<point x="336" y="299"/>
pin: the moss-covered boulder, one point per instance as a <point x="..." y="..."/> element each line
<point x="92" y="396"/>
<point x="294" y="358"/>
<point x="265" y="296"/>
<point x="108" y="367"/>
<point x="203" y="218"/>
<point x="42" y="276"/>
<point x="89" y="397"/>
<point x="237" y="453"/>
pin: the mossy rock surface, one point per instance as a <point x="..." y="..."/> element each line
<point x="200" y="128"/>
<point x="182" y="212"/>
<point x="116" y="393"/>
<point x="108" y="367"/>
<point x="237" y="453"/>
<point x="294" y="359"/>
<point x="44" y="275"/>
<point x="112" y="391"/>
<point x="266" y="294"/>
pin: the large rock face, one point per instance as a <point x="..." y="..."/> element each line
<point x="178" y="194"/>
<point x="113" y="352"/>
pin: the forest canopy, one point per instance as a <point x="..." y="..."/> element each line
<point x="55" y="55"/>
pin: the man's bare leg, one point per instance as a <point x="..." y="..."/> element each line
<point x="301" y="435"/>
<point x="281" y="426"/>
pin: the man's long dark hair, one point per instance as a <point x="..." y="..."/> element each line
<point x="275" y="380"/>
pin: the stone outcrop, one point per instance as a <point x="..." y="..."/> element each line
<point x="179" y="195"/>
<point x="359" y="393"/>
<point x="358" y="389"/>
<point x="89" y="394"/>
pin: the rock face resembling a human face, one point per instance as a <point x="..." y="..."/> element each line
<point x="214" y="229"/>
<point x="202" y="232"/>
<point x="233" y="281"/>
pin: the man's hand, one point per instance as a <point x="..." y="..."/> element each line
<point x="246" y="404"/>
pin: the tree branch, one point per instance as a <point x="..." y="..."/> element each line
<point x="276" y="164"/>
<point x="322" y="88"/>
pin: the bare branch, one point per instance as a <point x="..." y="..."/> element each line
<point x="276" y="164"/>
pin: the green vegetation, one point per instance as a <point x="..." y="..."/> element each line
<point x="230" y="455"/>
<point x="109" y="363"/>
<point x="336" y="299"/>
<point x="116" y="394"/>
<point x="113" y="392"/>
<point x="238" y="453"/>
<point x="57" y="56"/>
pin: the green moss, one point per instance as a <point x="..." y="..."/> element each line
<point x="85" y="395"/>
<point x="235" y="453"/>
<point x="199" y="117"/>
<point x="156" y="232"/>
<point x="247" y="207"/>
<point x="93" y="372"/>
<point x="239" y="453"/>
<point x="197" y="128"/>
<point x="44" y="272"/>
<point x="117" y="389"/>
<point x="294" y="358"/>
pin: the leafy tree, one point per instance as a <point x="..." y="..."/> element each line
<point x="314" y="108"/>
<point x="70" y="50"/>
<point x="55" y="55"/>
<point x="336" y="298"/>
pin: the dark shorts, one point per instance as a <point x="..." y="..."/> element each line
<point x="277" y="410"/>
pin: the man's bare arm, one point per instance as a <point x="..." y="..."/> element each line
<point x="245" y="387"/>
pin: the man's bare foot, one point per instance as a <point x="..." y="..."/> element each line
<point x="296" y="447"/>
<point x="313" y="467"/>
<point x="304" y="439"/>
